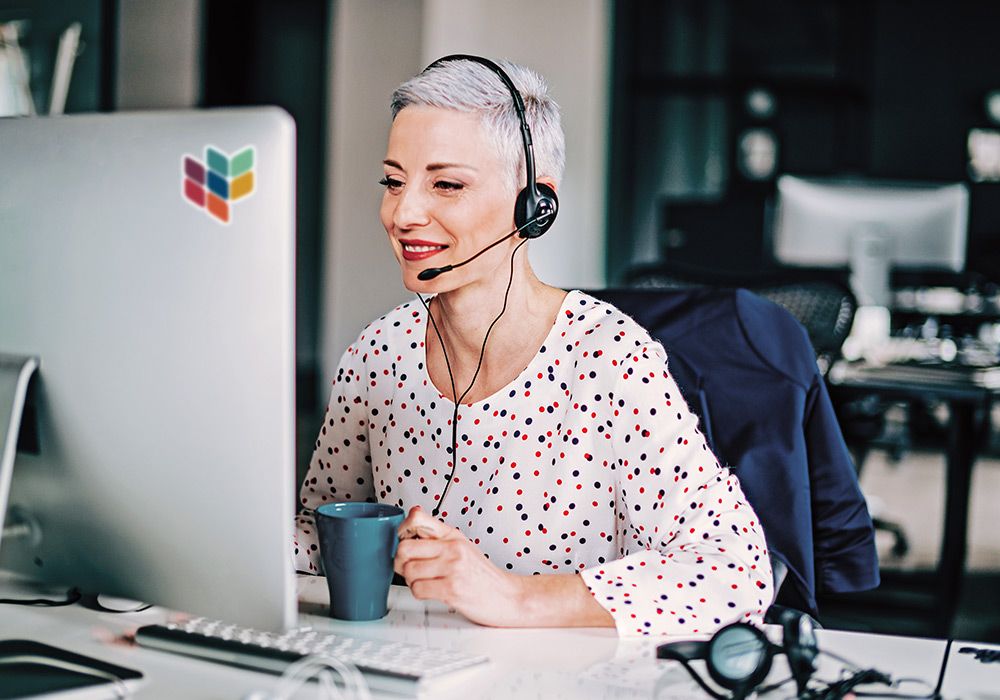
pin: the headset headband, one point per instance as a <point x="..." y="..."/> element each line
<point x="529" y="149"/>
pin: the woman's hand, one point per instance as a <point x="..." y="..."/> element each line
<point x="440" y="563"/>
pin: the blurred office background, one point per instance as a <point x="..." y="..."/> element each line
<point x="680" y="116"/>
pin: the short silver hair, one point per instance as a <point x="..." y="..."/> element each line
<point x="467" y="86"/>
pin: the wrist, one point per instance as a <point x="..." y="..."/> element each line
<point x="541" y="600"/>
<point x="555" y="600"/>
<point x="522" y="596"/>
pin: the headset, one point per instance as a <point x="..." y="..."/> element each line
<point x="537" y="204"/>
<point x="738" y="656"/>
<point x="535" y="211"/>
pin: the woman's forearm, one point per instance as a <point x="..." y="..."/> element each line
<point x="560" y="600"/>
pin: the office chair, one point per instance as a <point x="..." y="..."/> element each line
<point x="747" y="368"/>
<point x="822" y="301"/>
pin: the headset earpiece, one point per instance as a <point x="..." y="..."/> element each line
<point x="537" y="200"/>
<point x="544" y="207"/>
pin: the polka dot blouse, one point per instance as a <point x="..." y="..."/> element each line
<point x="589" y="462"/>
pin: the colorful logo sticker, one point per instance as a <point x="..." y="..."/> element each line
<point x="222" y="179"/>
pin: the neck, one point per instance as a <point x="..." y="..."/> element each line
<point x="464" y="315"/>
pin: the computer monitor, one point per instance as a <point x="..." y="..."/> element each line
<point x="872" y="227"/>
<point x="147" y="261"/>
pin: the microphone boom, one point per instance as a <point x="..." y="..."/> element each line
<point x="432" y="272"/>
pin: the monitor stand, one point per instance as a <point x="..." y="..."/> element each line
<point x="15" y="373"/>
<point x="870" y="256"/>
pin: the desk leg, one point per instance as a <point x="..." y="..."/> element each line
<point x="962" y="448"/>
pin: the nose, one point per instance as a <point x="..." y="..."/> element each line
<point x="411" y="209"/>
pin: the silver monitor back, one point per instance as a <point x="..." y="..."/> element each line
<point x="871" y="226"/>
<point x="164" y="398"/>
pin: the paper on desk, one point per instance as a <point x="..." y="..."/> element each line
<point x="635" y="672"/>
<point x="642" y="678"/>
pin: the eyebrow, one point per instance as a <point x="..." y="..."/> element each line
<point x="431" y="167"/>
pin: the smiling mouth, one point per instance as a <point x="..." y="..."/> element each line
<point x="419" y="251"/>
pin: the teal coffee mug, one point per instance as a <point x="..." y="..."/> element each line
<point x="357" y="543"/>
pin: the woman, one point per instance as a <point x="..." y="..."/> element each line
<point x="584" y="493"/>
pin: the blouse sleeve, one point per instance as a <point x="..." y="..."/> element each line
<point x="692" y="552"/>
<point x="340" y="468"/>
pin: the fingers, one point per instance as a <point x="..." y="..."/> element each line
<point x="432" y="589"/>
<point x="429" y="568"/>
<point x="416" y="570"/>
<point x="417" y="532"/>
<point x="410" y="549"/>
<point x="419" y="523"/>
<point x="420" y="549"/>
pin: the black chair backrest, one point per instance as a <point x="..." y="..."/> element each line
<point x="822" y="302"/>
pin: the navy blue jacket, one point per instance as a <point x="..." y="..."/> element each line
<point x="746" y="366"/>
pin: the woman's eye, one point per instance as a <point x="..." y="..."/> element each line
<point x="448" y="186"/>
<point x="390" y="183"/>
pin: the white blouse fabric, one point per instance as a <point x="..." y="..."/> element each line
<point x="589" y="462"/>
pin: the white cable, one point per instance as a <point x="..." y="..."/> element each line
<point x="121" y="690"/>
<point x="319" y="666"/>
<point x="327" y="685"/>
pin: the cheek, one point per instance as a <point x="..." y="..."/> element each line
<point x="385" y="212"/>
<point x="484" y="221"/>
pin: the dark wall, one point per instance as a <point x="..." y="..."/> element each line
<point x="270" y="52"/>
<point x="934" y="65"/>
<point x="886" y="88"/>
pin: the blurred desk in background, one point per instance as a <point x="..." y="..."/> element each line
<point x="969" y="396"/>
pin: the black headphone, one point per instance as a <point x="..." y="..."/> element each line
<point x="739" y="655"/>
<point x="537" y="204"/>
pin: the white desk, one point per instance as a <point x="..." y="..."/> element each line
<point x="558" y="663"/>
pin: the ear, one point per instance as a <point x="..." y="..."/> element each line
<point x="550" y="182"/>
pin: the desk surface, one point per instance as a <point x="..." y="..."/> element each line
<point x="944" y="382"/>
<point x="531" y="663"/>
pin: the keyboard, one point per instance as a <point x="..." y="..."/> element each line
<point x="394" y="667"/>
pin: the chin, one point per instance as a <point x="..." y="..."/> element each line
<point x="408" y="273"/>
<point x="444" y="282"/>
<point x="416" y="286"/>
<point x="419" y="286"/>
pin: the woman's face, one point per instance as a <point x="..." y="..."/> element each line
<point x="446" y="198"/>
